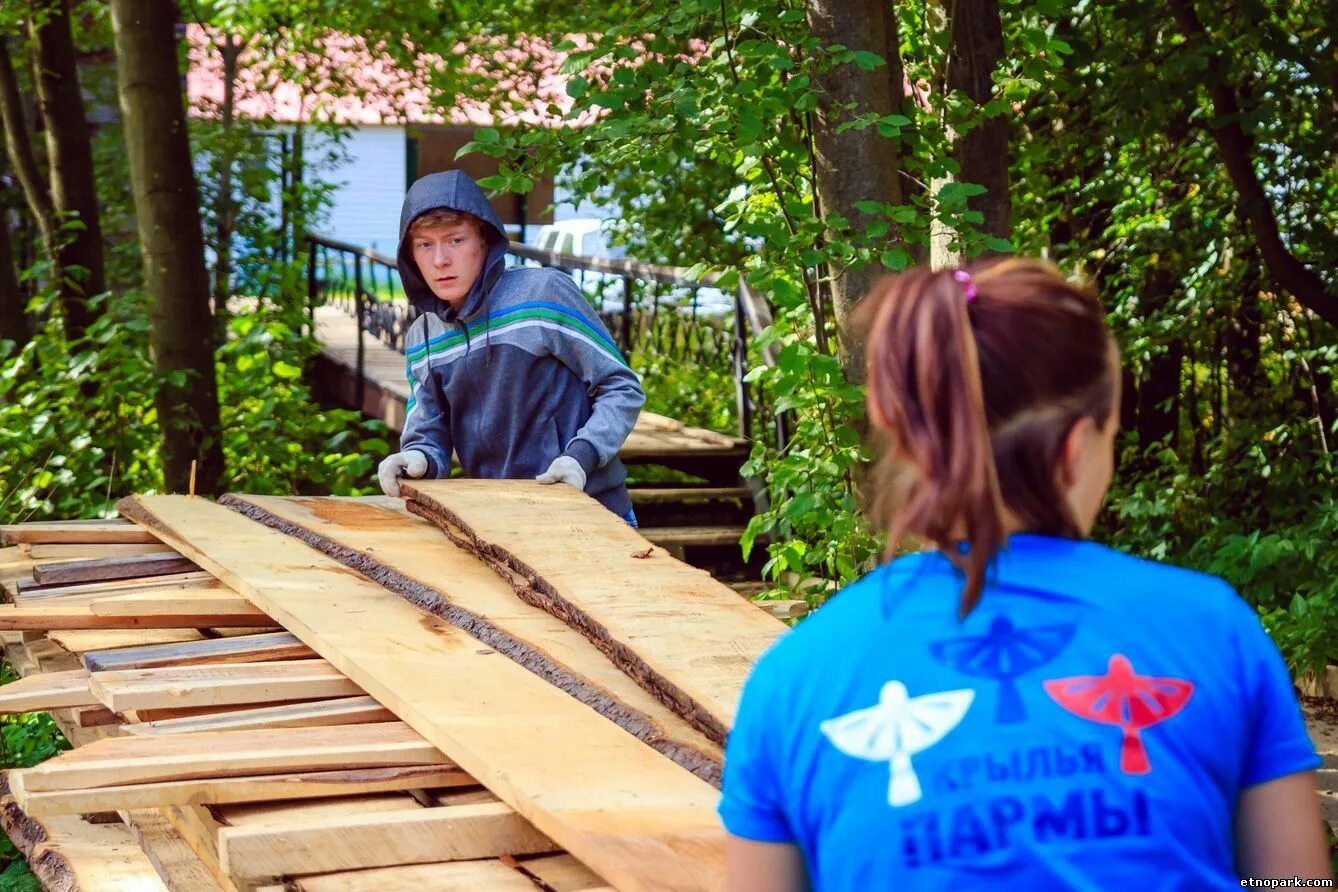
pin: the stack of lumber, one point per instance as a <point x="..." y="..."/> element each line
<point x="511" y="690"/>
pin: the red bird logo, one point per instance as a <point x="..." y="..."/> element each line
<point x="1122" y="698"/>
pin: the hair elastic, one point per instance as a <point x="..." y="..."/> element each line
<point x="968" y="286"/>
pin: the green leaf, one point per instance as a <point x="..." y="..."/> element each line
<point x="867" y="61"/>
<point x="286" y="371"/>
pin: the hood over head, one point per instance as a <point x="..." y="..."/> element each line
<point x="454" y="190"/>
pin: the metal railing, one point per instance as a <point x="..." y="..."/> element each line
<point x="649" y="309"/>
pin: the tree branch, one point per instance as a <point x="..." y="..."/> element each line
<point x="1237" y="147"/>
<point x="21" y="153"/>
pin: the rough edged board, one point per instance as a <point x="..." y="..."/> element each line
<point x="49" y="690"/>
<point x="111" y="568"/>
<point x="120" y="761"/>
<point x="172" y="687"/>
<point x="108" y="532"/>
<point x="73" y="855"/>
<point x="688" y="639"/>
<point x="257" y="788"/>
<point x="239" y="649"/>
<point x="411" y="557"/>
<point x="323" y="713"/>
<point x="353" y="842"/>
<point x="84" y="857"/>
<point x="627" y="812"/>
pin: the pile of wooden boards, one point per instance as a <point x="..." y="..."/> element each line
<point x="512" y="690"/>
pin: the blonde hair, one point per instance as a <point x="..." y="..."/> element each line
<point x="439" y="217"/>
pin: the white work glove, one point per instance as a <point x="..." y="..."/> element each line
<point x="564" y="469"/>
<point x="410" y="463"/>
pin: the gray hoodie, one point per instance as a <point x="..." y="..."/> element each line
<point x="523" y="373"/>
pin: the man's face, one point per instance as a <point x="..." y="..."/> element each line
<point x="450" y="258"/>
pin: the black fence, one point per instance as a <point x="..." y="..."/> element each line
<point x="649" y="309"/>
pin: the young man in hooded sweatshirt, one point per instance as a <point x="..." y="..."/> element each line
<point x="510" y="368"/>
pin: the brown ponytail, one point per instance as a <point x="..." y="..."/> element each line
<point x="974" y="399"/>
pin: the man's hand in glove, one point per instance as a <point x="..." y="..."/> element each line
<point x="410" y="463"/>
<point x="564" y="469"/>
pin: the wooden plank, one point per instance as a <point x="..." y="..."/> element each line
<point x="413" y="558"/>
<point x="92" y="552"/>
<point x="96" y="716"/>
<point x="143" y="716"/>
<point x="59" y="615"/>
<point x="652" y="495"/>
<point x="109" y="532"/>
<point x="121" y="761"/>
<point x="352" y="842"/>
<point x="177" y="863"/>
<point x="550" y="538"/>
<point x="187" y="602"/>
<point x="227" y="684"/>
<point x="221" y="790"/>
<point x="283" y="814"/>
<point x="111" y="568"/>
<point x="198" y="828"/>
<point x="48" y="690"/>
<point x="239" y="649"/>
<point x="73" y="855"/>
<point x="120" y="587"/>
<point x="78" y="641"/>
<point x="462" y="876"/>
<point x="84" y="857"/>
<point x="323" y="713"/>
<point x="563" y="873"/>
<point x="630" y="814"/>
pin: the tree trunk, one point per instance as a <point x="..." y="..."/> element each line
<point x="74" y="189"/>
<point x="1237" y="150"/>
<point x="1245" y="331"/>
<point x="859" y="164"/>
<point x="168" y="216"/>
<point x="227" y="207"/>
<point x="1158" y="396"/>
<point x="13" y="320"/>
<point x="975" y="49"/>
<point x="22" y="157"/>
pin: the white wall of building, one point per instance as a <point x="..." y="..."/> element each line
<point x="369" y="182"/>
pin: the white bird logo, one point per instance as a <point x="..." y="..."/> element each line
<point x="896" y="729"/>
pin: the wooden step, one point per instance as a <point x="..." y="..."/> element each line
<point x="673" y="495"/>
<point x="679" y="537"/>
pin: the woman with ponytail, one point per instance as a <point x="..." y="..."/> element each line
<point x="1012" y="706"/>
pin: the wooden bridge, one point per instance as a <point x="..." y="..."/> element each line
<point x="700" y="519"/>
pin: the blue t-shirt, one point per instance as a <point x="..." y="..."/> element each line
<point x="1090" y="724"/>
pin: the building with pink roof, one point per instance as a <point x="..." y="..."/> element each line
<point x="391" y="131"/>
